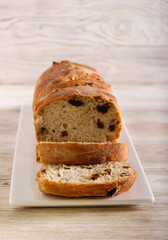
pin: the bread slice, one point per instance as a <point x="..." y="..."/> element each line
<point x="72" y="103"/>
<point x="80" y="153"/>
<point x="105" y="179"/>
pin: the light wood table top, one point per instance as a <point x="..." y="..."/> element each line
<point x="127" y="41"/>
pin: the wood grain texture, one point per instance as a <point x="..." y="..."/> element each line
<point x="24" y="64"/>
<point x="84" y="23"/>
<point x="103" y="34"/>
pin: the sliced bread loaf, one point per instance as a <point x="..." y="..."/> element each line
<point x="80" y="153"/>
<point x="104" y="179"/>
<point x="73" y="103"/>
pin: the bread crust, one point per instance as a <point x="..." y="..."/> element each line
<point x="85" y="189"/>
<point x="80" y="153"/>
<point x="81" y="91"/>
<point x="66" y="74"/>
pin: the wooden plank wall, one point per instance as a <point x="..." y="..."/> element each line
<point x="127" y="41"/>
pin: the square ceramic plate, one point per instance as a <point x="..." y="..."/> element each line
<point x="24" y="189"/>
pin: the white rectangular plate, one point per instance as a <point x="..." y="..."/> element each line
<point x="24" y="189"/>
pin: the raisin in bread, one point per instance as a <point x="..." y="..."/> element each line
<point x="104" y="179"/>
<point x="80" y="153"/>
<point x="73" y="103"/>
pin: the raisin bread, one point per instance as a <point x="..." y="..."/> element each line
<point x="80" y="153"/>
<point x="104" y="179"/>
<point x="73" y="103"/>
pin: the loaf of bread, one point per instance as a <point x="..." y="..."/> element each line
<point x="106" y="179"/>
<point x="72" y="103"/>
<point x="77" y="121"/>
<point x="80" y="153"/>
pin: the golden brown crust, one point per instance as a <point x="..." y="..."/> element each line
<point x="66" y="79"/>
<point x="83" y="91"/>
<point x="85" y="189"/>
<point x="66" y="74"/>
<point x="80" y="153"/>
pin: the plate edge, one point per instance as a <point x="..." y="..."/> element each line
<point x="140" y="164"/>
<point x="14" y="159"/>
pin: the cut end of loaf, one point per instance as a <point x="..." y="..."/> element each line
<point x="78" y="119"/>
